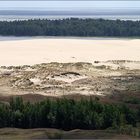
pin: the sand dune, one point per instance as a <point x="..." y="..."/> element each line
<point x="33" y="51"/>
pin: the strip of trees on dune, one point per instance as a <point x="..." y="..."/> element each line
<point x="71" y="27"/>
<point x="66" y="114"/>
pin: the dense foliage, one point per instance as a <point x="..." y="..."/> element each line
<point x="71" y="27"/>
<point x="66" y="114"/>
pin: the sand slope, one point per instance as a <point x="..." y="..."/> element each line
<point x="33" y="51"/>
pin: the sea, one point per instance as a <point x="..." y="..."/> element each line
<point x="110" y="14"/>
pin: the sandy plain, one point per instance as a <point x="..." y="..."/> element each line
<point x="65" y="50"/>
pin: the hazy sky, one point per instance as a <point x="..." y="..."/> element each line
<point x="58" y="4"/>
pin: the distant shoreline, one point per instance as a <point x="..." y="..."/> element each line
<point x="58" y="17"/>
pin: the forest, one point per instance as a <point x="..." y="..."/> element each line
<point x="71" y="27"/>
<point x="66" y="114"/>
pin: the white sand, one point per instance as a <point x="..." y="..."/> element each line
<point x="36" y="81"/>
<point x="68" y="78"/>
<point x="35" y="51"/>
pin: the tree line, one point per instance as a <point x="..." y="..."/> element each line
<point x="71" y="27"/>
<point x="66" y="114"/>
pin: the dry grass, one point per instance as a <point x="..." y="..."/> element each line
<point x="46" y="133"/>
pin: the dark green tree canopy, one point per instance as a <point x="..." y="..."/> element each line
<point x="66" y="114"/>
<point x="71" y="27"/>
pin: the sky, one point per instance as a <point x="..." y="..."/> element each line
<point x="69" y="4"/>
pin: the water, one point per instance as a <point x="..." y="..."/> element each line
<point x="11" y="15"/>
